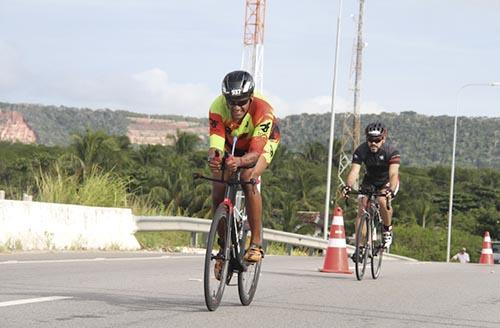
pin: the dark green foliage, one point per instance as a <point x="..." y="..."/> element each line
<point x="431" y="244"/>
<point x="96" y="148"/>
<point x="294" y="182"/>
<point x="186" y="142"/>
<point x="19" y="163"/>
<point x="422" y="140"/>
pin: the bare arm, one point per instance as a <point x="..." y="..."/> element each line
<point x="249" y="159"/>
<point x="353" y="174"/>
<point x="393" y="176"/>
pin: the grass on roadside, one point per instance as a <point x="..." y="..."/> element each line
<point x="275" y="248"/>
<point x="163" y="240"/>
<point x="96" y="188"/>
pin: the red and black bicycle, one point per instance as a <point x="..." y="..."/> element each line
<point x="226" y="245"/>
<point x="369" y="242"/>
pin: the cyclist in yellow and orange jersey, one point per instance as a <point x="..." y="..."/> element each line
<point x="238" y="112"/>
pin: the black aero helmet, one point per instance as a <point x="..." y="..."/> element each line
<point x="376" y="129"/>
<point x="238" y="86"/>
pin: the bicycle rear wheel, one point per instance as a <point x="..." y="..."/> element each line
<point x="361" y="254"/>
<point x="217" y="251"/>
<point x="249" y="277"/>
<point x="377" y="247"/>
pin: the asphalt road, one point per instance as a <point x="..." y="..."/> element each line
<point x="157" y="290"/>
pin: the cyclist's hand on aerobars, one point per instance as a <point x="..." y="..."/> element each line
<point x="215" y="164"/>
<point x="345" y="191"/>
<point x="214" y="161"/>
<point x="232" y="163"/>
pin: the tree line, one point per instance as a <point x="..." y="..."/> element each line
<point x="100" y="169"/>
<point x="424" y="140"/>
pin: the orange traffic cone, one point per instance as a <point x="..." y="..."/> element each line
<point x="487" y="252"/>
<point x="336" y="254"/>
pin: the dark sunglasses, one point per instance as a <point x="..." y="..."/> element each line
<point x="239" y="103"/>
<point x="374" y="140"/>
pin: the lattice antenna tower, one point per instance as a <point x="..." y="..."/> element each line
<point x="351" y="125"/>
<point x="253" y="41"/>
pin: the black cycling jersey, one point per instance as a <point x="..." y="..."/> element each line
<point x="377" y="164"/>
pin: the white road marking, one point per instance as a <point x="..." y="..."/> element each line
<point x="97" y="259"/>
<point x="33" y="300"/>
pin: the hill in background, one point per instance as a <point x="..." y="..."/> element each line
<point x="422" y="140"/>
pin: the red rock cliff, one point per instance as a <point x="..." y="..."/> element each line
<point x="14" y="128"/>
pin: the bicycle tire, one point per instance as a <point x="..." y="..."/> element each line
<point x="248" y="279"/>
<point x="377" y="246"/>
<point x="361" y="247"/>
<point x="213" y="287"/>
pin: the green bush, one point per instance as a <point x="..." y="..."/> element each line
<point x="431" y="244"/>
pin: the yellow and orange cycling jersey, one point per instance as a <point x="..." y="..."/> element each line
<point x="257" y="132"/>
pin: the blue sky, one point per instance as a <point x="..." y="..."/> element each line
<point x="169" y="57"/>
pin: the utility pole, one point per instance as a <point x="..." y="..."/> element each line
<point x="351" y="126"/>
<point x="357" y="78"/>
<point x="332" y="127"/>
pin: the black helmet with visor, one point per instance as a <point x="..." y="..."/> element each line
<point x="238" y="87"/>
<point x="375" y="131"/>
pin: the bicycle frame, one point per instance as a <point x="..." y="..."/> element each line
<point x="237" y="216"/>
<point x="233" y="233"/>
<point x="233" y="199"/>
<point x="368" y="244"/>
<point x="372" y="207"/>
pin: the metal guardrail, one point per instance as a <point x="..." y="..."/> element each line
<point x="194" y="225"/>
<point x="180" y="223"/>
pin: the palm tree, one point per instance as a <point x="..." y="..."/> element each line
<point x="315" y="152"/>
<point x="186" y="142"/>
<point x="423" y="210"/>
<point x="96" y="148"/>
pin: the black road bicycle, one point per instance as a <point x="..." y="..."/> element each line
<point x="226" y="245"/>
<point x="369" y="241"/>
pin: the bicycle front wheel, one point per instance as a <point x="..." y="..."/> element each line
<point x="377" y="249"/>
<point x="249" y="277"/>
<point x="217" y="258"/>
<point x="361" y="254"/>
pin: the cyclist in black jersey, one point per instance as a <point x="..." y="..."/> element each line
<point x="382" y="173"/>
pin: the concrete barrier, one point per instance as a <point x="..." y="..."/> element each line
<point x="44" y="226"/>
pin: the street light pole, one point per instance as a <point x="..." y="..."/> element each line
<point x="452" y="177"/>
<point x="332" y="127"/>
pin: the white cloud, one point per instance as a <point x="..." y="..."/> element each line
<point x="371" y="107"/>
<point x="158" y="95"/>
<point x="151" y="91"/>
<point x="148" y="91"/>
